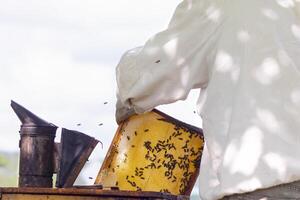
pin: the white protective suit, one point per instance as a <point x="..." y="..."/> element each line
<point x="245" y="57"/>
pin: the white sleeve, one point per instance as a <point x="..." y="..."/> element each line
<point x="170" y="64"/>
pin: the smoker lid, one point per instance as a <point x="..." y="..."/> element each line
<point x="29" y="119"/>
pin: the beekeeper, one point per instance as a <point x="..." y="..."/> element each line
<point x="244" y="55"/>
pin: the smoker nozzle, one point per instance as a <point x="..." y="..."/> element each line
<point x="28" y="118"/>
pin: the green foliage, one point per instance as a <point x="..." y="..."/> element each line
<point x="8" y="169"/>
<point x="3" y="161"/>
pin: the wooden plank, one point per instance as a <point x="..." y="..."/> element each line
<point x="64" y="197"/>
<point x="82" y="194"/>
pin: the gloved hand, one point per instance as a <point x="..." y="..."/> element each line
<point x="123" y="112"/>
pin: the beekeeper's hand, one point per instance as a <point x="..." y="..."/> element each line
<point x="123" y="112"/>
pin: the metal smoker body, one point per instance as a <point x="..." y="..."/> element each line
<point x="36" y="149"/>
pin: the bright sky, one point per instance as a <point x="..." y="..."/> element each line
<point x="58" y="59"/>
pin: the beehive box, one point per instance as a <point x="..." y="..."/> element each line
<point x="153" y="152"/>
<point x="80" y="194"/>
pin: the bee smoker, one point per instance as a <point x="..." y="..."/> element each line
<point x="36" y="149"/>
<point x="41" y="157"/>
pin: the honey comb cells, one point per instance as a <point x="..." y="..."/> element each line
<point x="153" y="152"/>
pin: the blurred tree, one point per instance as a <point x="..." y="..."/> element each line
<point x="3" y="161"/>
<point x="8" y="169"/>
